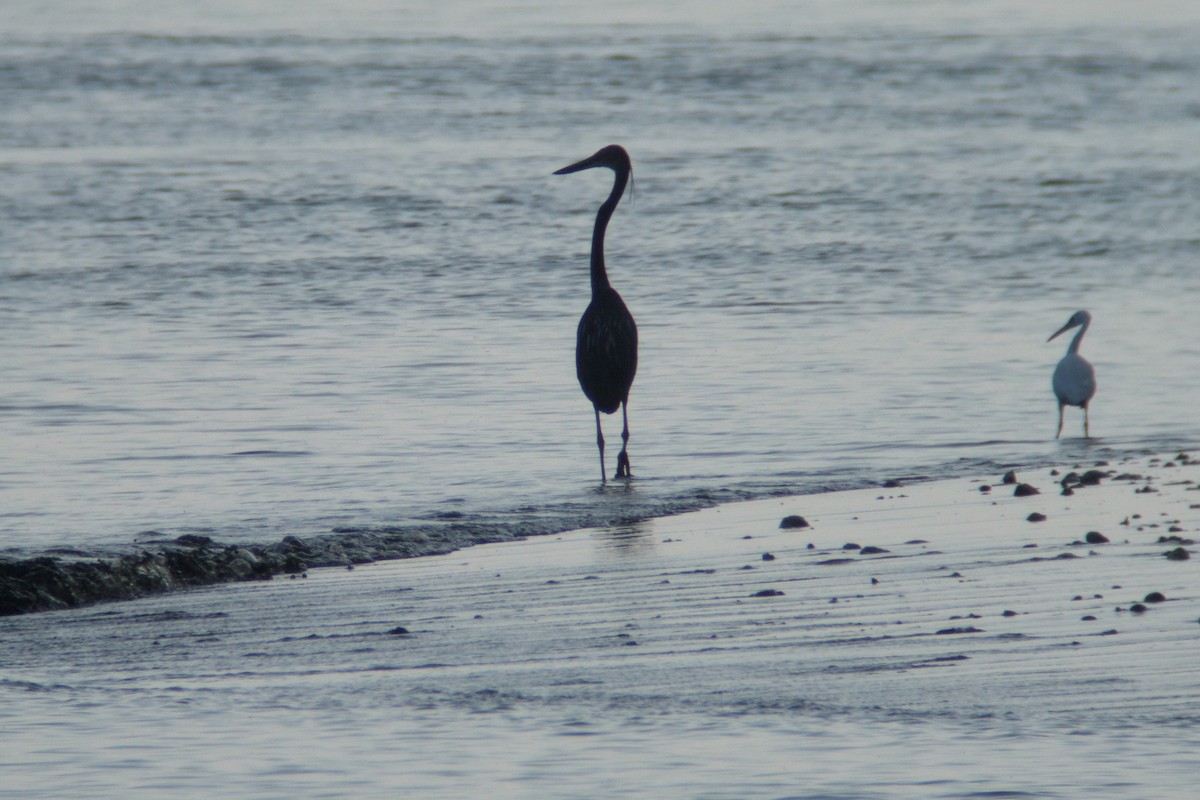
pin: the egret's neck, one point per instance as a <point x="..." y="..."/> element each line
<point x="1074" y="348"/>
<point x="599" y="273"/>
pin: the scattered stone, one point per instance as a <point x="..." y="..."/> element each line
<point x="985" y="488"/>
<point x="1178" y="554"/>
<point x="1091" y="478"/>
<point x="1139" y="608"/>
<point x="1010" y="477"/>
<point x="891" y="484"/>
<point x="398" y="631"/>
<point x="768" y="557"/>
<point x="1155" y="597"/>
<point x="1024" y="490"/>
<point x="1088" y="618"/>
<point x="952" y="631"/>
<point x="1036" y="516"/>
<point x="811" y="546"/>
<point x="872" y="550"/>
<point x="1095" y="537"/>
<point x="1009" y="614"/>
<point x="793" y="521"/>
<point x="768" y="593"/>
<point x="851" y="546"/>
<point x="874" y="581"/>
<point x="1147" y="489"/>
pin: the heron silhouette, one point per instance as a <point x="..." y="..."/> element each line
<point x="1074" y="378"/>
<point x="606" y="341"/>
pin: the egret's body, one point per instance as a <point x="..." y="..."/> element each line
<point x="1074" y="379"/>
<point x="606" y="341"/>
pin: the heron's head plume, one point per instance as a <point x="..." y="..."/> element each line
<point x="613" y="156"/>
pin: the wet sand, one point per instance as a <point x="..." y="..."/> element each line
<point x="934" y="640"/>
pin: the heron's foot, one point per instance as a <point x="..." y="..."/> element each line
<point x="623" y="469"/>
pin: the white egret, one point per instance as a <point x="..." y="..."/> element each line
<point x="1074" y="378"/>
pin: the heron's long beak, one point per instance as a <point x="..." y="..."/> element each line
<point x="1066" y="327"/>
<point x="587" y="163"/>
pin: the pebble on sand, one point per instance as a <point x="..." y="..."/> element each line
<point x="1036" y="516"/>
<point x="768" y="593"/>
<point x="1024" y="490"/>
<point x="793" y="521"/>
<point x="1095" y="537"/>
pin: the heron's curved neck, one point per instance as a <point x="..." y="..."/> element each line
<point x="599" y="273"/>
<point x="1074" y="348"/>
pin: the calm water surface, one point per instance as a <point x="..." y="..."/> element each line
<point x="268" y="274"/>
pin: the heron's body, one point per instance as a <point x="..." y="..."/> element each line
<point x="1074" y="378"/>
<point x="606" y="340"/>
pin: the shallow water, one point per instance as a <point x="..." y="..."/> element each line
<point x="639" y="662"/>
<point x="276" y="273"/>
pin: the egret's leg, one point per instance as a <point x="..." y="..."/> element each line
<point x="623" y="469"/>
<point x="1060" y="409"/>
<point x="1086" y="435"/>
<point x="600" y="444"/>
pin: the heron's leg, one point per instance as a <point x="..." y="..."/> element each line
<point x="1060" y="410"/>
<point x="600" y="444"/>
<point x="623" y="468"/>
<point x="1086" y="435"/>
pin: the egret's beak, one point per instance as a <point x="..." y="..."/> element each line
<point x="1066" y="327"/>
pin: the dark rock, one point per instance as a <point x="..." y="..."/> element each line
<point x="793" y="521"/>
<point x="1088" y="618"/>
<point x="768" y="593"/>
<point x="851" y="546"/>
<point x="985" y="488"/>
<point x="952" y="631"/>
<point x="1036" y="516"/>
<point x="1095" y="537"/>
<point x="1009" y="614"/>
<point x="1178" y="554"/>
<point x="398" y="631"/>
<point x="871" y="550"/>
<point x="768" y="557"/>
<point x="1024" y="490"/>
<point x="1155" y="597"/>
<point x="1010" y="477"/>
<point x="891" y="484"/>
<point x="1091" y="478"/>
<point x="1139" y="608"/>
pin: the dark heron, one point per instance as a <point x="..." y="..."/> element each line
<point x="606" y="342"/>
<point x="1074" y="378"/>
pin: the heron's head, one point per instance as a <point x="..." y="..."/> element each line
<point x="1077" y="319"/>
<point x="614" y="157"/>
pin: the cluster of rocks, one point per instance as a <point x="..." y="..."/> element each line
<point x="51" y="582"/>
